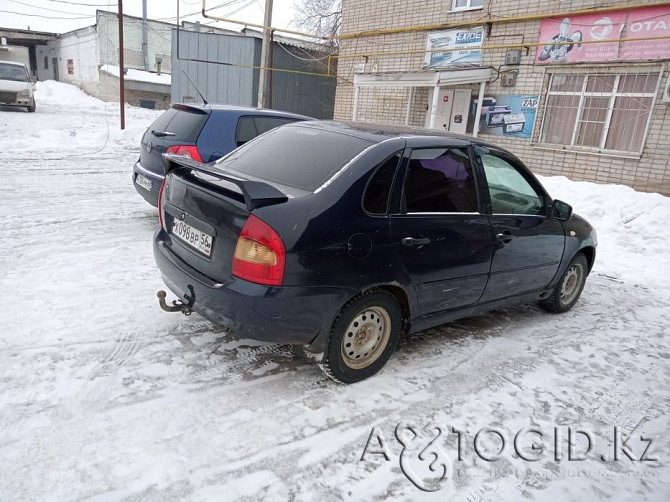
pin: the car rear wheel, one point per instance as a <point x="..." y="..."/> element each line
<point x="569" y="288"/>
<point x="363" y="337"/>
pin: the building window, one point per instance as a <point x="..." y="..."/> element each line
<point x="604" y="112"/>
<point x="467" y="4"/>
<point x="46" y="62"/>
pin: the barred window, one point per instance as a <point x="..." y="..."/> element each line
<point x="599" y="111"/>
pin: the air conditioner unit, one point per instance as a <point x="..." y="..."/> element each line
<point x="513" y="57"/>
<point x="666" y="91"/>
<point x="508" y="79"/>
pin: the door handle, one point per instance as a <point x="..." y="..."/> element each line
<point x="415" y="241"/>
<point x="504" y="237"/>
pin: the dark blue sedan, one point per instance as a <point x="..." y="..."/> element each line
<point x="202" y="132"/>
<point x="338" y="238"/>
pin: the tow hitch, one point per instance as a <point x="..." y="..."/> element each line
<point x="177" y="305"/>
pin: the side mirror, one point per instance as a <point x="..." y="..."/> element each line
<point x="560" y="210"/>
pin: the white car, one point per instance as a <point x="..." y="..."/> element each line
<point x="16" y="86"/>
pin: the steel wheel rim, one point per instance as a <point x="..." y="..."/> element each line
<point x="571" y="283"/>
<point x="366" y="337"/>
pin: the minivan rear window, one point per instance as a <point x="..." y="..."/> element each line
<point x="185" y="125"/>
<point x="299" y="157"/>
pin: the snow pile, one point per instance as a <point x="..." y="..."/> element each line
<point x="139" y="75"/>
<point x="70" y="122"/>
<point x="631" y="243"/>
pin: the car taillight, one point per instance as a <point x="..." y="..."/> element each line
<point x="185" y="150"/>
<point x="259" y="254"/>
<point x="160" y="206"/>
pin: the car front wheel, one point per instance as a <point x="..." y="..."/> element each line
<point x="32" y="107"/>
<point x="363" y="337"/>
<point x="569" y="288"/>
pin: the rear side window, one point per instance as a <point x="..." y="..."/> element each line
<point x="300" y="157"/>
<point x="249" y="127"/>
<point x="264" y="124"/>
<point x="440" y="180"/>
<point x="376" y="197"/>
<point x="246" y="130"/>
<point x="185" y="125"/>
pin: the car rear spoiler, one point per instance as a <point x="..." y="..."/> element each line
<point x="255" y="193"/>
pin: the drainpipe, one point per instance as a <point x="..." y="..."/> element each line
<point x="145" y="36"/>
<point x="357" y="91"/>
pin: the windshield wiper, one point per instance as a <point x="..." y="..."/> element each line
<point x="162" y="134"/>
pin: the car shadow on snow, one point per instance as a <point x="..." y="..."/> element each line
<point x="212" y="355"/>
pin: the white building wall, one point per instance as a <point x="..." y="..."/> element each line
<point x="80" y="49"/>
<point x="158" y="38"/>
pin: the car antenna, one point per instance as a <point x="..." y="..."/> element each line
<point x="196" y="89"/>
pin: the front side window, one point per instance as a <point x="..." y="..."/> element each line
<point x="440" y="180"/>
<point x="603" y="112"/>
<point x="466" y="4"/>
<point x="510" y="192"/>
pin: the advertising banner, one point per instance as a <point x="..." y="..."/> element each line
<point x="509" y="115"/>
<point x="606" y="29"/>
<point x="460" y="47"/>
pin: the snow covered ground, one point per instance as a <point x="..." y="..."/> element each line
<point x="103" y="396"/>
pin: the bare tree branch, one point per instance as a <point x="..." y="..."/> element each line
<point x="321" y="17"/>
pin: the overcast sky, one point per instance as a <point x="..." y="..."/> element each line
<point x="60" y="16"/>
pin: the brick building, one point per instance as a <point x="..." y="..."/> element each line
<point x="573" y="87"/>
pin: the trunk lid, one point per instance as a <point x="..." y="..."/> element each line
<point x="204" y="211"/>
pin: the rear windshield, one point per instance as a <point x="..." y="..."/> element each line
<point x="186" y="125"/>
<point x="300" y="157"/>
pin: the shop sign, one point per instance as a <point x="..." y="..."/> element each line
<point x="454" y="47"/>
<point x="609" y="36"/>
<point x="507" y="115"/>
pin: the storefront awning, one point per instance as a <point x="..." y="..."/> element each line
<point x="423" y="79"/>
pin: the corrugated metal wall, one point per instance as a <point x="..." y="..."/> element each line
<point x="311" y="95"/>
<point x="307" y="94"/>
<point x="219" y="83"/>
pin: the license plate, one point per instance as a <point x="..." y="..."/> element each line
<point x="144" y="182"/>
<point x="193" y="237"/>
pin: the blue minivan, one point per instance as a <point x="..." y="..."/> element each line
<point x="202" y="132"/>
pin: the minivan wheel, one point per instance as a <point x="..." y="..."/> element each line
<point x="567" y="291"/>
<point x="363" y="337"/>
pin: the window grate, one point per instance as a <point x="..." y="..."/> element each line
<point x="602" y="111"/>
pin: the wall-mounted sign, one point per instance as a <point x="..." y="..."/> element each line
<point x="511" y="115"/>
<point x="70" y="67"/>
<point x="602" y="33"/>
<point x="454" y="47"/>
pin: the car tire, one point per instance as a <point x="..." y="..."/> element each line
<point x="32" y="107"/>
<point x="363" y="337"/>
<point x="569" y="287"/>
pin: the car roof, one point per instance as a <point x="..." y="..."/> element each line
<point x="15" y="63"/>
<point x="239" y="110"/>
<point x="377" y="132"/>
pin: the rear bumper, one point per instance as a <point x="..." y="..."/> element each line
<point x="151" y="196"/>
<point x="289" y="314"/>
